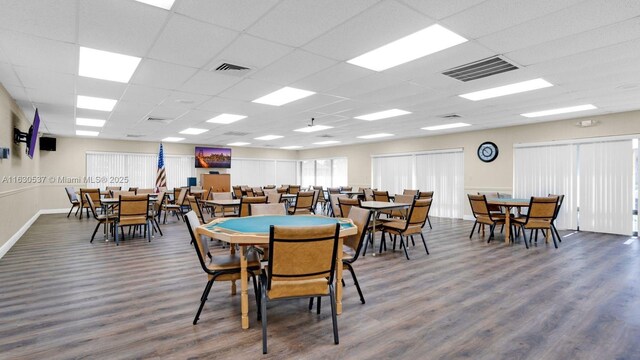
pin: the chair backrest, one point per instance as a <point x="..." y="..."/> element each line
<point x="316" y="196"/>
<point x="558" y="206"/>
<point x="237" y="192"/>
<point x="410" y="192"/>
<point x="249" y="193"/>
<point x="114" y="188"/>
<point x="333" y="190"/>
<point x="425" y="195"/>
<point x="116" y="194"/>
<point x="245" y="204"/>
<point x="268" y="209"/>
<point x="257" y="191"/>
<point x="181" y="196"/>
<point x="403" y="199"/>
<point x="71" y="194"/>
<point x="479" y="205"/>
<point x="269" y="187"/>
<point x="368" y="194"/>
<point x="381" y="196"/>
<point x="419" y="212"/>
<point x="93" y="192"/>
<point x="542" y="208"/>
<point x="195" y="207"/>
<point x="145" y="191"/>
<point x="221" y="196"/>
<point x="360" y="218"/>
<point x="92" y="206"/>
<point x="202" y="247"/>
<point x="274" y="197"/>
<point x="133" y="209"/>
<point x="157" y="205"/>
<point x="492" y="208"/>
<point x="346" y="188"/>
<point x="294" y="189"/>
<point x="335" y="205"/>
<point x="304" y="200"/>
<point x="134" y="189"/>
<point x="345" y="204"/>
<point x="302" y="253"/>
<point x="321" y="197"/>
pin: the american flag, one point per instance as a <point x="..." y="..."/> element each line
<point x="161" y="177"/>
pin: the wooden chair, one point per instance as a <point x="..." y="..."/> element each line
<point x="95" y="196"/>
<point x="73" y="199"/>
<point x="346" y="188"/>
<point x="109" y="189"/>
<point x="194" y="204"/>
<point x="268" y="209"/>
<point x="133" y="210"/>
<point x="322" y="200"/>
<point x="483" y="216"/>
<point x="401" y="199"/>
<point x="302" y="262"/>
<point x="539" y="217"/>
<point x="283" y="189"/>
<point x="145" y="191"/>
<point x="102" y="219"/>
<point x="304" y="202"/>
<point x="360" y="218"/>
<point x="316" y="196"/>
<point x="218" y="267"/>
<point x="177" y="207"/>
<point x="413" y="225"/>
<point x="257" y="191"/>
<point x="245" y="204"/>
<point x="345" y="204"/>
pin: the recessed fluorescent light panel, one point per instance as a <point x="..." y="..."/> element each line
<point x="269" y="137"/>
<point x="86" y="133"/>
<point x="445" y="126"/>
<point x="328" y="142"/>
<point x="164" y="4"/>
<point x="226" y="118"/>
<point x="382" y="115"/>
<point x="193" y="131"/>
<point x="560" y="110"/>
<point x="90" y="122"/>
<point x="422" y="43"/>
<point x="507" y="89"/>
<point x="239" y="143"/>
<point x="106" y="65"/>
<point x="283" y="96"/>
<point x="94" y="103"/>
<point x="314" y="128"/>
<point x="172" y="139"/>
<point x="292" y="147"/>
<point x="374" y="136"/>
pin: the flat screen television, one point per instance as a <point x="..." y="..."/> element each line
<point x="32" y="138"/>
<point x="208" y="157"/>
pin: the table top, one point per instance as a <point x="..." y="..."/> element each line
<point x="116" y="200"/>
<point x="508" y="202"/>
<point x="289" y="196"/>
<point x="223" y="202"/>
<point x="255" y="229"/>
<point x="382" y="205"/>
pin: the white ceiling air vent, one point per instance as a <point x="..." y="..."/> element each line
<point x="159" y="120"/>
<point x="479" y="69"/>
<point x="236" y="133"/>
<point x="232" y="69"/>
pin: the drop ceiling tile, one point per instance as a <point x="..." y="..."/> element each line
<point x="209" y="83"/>
<point x="161" y="74"/>
<point x="16" y="92"/>
<point x="225" y="13"/>
<point x="221" y="105"/>
<point x="249" y="89"/>
<point x="190" y="42"/>
<point x="586" y="16"/>
<point x="130" y="112"/>
<point x="366" y="84"/>
<point x="391" y="93"/>
<point x="46" y="80"/>
<point x="50" y="96"/>
<point x="55" y="19"/>
<point x="8" y="76"/>
<point x="100" y="88"/>
<point x="109" y="25"/>
<point x="292" y="67"/>
<point x="252" y="52"/>
<point x="145" y="94"/>
<point x="305" y="19"/>
<point x="438" y="9"/>
<point x="184" y="100"/>
<point x="381" y="24"/>
<point x="332" y="77"/>
<point x="40" y="53"/>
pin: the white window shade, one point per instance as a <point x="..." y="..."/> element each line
<point x="392" y="173"/>
<point x="339" y="175"/>
<point x="606" y="187"/>
<point x="323" y="173"/>
<point x="286" y="172"/>
<point x="442" y="173"/>
<point x="308" y="174"/>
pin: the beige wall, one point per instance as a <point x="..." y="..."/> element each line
<point x="69" y="160"/>
<point x="18" y="201"/>
<point x="479" y="176"/>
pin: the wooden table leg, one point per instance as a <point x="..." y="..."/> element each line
<point x="339" y="269"/>
<point x="507" y="224"/>
<point x="244" y="297"/>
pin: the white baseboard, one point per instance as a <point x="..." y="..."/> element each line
<point x="14" y="239"/>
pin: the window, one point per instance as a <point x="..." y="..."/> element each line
<point x="136" y="170"/>
<point x="260" y="172"/>
<point x="324" y="172"/>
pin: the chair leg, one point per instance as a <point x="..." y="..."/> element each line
<point x="263" y="304"/>
<point x="403" y="245"/>
<point x="382" y="241"/>
<point x="473" y="229"/>
<point x="553" y="227"/>
<point x="257" y="294"/>
<point x="425" y="243"/>
<point x="429" y="221"/>
<point x="203" y="299"/>
<point x="553" y="236"/>
<point x="70" y="210"/>
<point x="413" y="242"/>
<point x="355" y="281"/>
<point x="524" y="235"/>
<point x="366" y="244"/>
<point x="94" y="232"/>
<point x="310" y="303"/>
<point x="334" y="319"/>
<point x="319" y="306"/>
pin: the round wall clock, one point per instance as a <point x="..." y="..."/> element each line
<point x="487" y="151"/>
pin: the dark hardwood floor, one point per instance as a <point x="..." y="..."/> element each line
<point x="62" y="297"/>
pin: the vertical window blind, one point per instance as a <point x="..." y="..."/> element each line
<point x="259" y="172"/>
<point x="136" y="170"/>
<point x="324" y="172"/>
<point x="596" y="177"/>
<point x="439" y="171"/>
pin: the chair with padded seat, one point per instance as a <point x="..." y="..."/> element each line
<point x="303" y="204"/>
<point x="401" y="199"/>
<point x="178" y="205"/>
<point x="102" y="219"/>
<point x="410" y="192"/>
<point x="218" y="267"/>
<point x="426" y="195"/>
<point x="95" y="196"/>
<point x="483" y="216"/>
<point x="345" y="204"/>
<point x="334" y="204"/>
<point x="73" y="199"/>
<point x="555" y="216"/>
<point x="412" y="225"/>
<point x="302" y="262"/>
<point x="133" y="210"/>
<point x="268" y="209"/>
<point x="245" y="204"/>
<point x="539" y="217"/>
